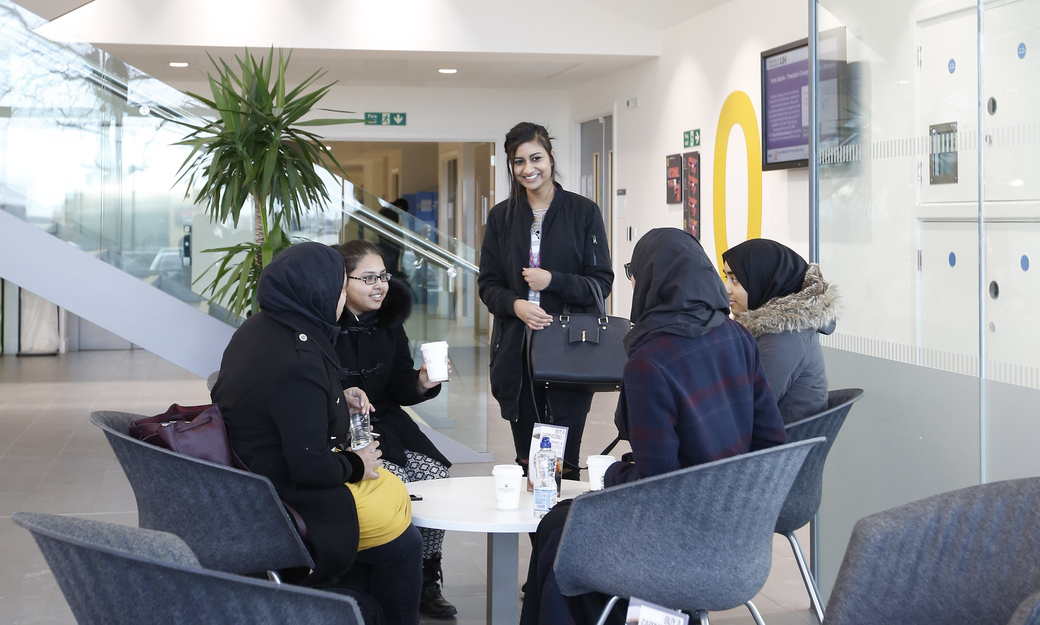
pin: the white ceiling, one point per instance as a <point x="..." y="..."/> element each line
<point x="564" y="44"/>
<point x="378" y="68"/>
<point x="50" y="9"/>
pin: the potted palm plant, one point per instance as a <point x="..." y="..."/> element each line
<point x="257" y="150"/>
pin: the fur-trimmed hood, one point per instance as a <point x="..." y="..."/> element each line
<point x="814" y="307"/>
<point x="396" y="308"/>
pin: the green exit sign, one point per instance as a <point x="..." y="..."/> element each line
<point x="380" y="119"/>
<point x="386" y="119"/>
<point x="691" y="138"/>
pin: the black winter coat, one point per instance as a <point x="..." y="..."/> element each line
<point x="280" y="395"/>
<point x="573" y="244"/>
<point x="374" y="355"/>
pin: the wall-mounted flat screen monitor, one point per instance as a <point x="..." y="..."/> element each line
<point x="785" y="98"/>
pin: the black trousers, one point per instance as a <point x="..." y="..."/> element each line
<point x="544" y="604"/>
<point x="392" y="575"/>
<point x="558" y="408"/>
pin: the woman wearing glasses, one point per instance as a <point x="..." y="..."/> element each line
<point x="375" y="356"/>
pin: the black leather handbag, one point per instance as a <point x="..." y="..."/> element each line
<point x="579" y="351"/>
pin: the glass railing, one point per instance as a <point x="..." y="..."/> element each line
<point x="88" y="151"/>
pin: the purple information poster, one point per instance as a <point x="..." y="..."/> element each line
<point x="692" y="193"/>
<point x="787" y="106"/>
<point x="673" y="166"/>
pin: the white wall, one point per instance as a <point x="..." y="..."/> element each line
<point x="702" y="61"/>
<point x="464" y="115"/>
<point x="419" y="169"/>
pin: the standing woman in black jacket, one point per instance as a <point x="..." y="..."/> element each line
<point x="538" y="247"/>
<point x="375" y="355"/>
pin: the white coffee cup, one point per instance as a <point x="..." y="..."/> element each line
<point x="508" y="481"/>
<point x="598" y="469"/>
<point x="435" y="355"/>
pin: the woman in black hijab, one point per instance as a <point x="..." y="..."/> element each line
<point x="280" y="394"/>
<point x="693" y="391"/>
<point x="786" y="304"/>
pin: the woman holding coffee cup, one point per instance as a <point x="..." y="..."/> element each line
<point x="374" y="354"/>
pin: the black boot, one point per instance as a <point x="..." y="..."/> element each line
<point x="432" y="603"/>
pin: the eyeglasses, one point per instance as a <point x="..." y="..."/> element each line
<point x="371" y="279"/>
<point x="628" y="270"/>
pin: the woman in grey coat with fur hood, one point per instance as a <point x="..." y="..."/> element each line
<point x="786" y="304"/>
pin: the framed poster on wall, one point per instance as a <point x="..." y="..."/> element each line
<point x="673" y="191"/>
<point x="692" y="193"/>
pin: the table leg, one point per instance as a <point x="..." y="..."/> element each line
<point x="503" y="563"/>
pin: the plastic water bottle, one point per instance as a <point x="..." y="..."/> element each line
<point x="544" y="463"/>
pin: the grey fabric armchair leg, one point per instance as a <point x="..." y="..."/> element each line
<point x="965" y="556"/>
<point x="711" y="542"/>
<point x="803" y="500"/>
<point x="120" y="575"/>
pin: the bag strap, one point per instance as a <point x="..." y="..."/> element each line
<point x="528" y="332"/>
<point x="609" y="448"/>
<point x="597" y="296"/>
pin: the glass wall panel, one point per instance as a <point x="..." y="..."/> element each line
<point x="930" y="224"/>
<point x="1010" y="288"/>
<point x="900" y="227"/>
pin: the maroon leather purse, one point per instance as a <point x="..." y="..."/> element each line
<point x="196" y="431"/>
<point x="199" y="432"/>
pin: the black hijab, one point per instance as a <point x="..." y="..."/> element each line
<point x="766" y="269"/>
<point x="677" y="289"/>
<point x="304" y="281"/>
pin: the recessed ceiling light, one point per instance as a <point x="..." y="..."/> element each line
<point x="178" y="64"/>
<point x="447" y="70"/>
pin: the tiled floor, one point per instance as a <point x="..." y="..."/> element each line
<point x="53" y="460"/>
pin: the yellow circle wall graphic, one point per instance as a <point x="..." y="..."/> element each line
<point x="737" y="111"/>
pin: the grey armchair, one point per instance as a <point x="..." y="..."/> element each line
<point x="965" y="556"/>
<point x="803" y="501"/>
<point x="697" y="539"/>
<point x="232" y="519"/>
<point x="119" y="575"/>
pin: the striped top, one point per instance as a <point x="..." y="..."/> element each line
<point x="536" y="249"/>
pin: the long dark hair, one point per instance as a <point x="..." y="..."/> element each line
<point x="519" y="135"/>
<point x="353" y="251"/>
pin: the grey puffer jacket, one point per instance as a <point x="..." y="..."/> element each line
<point x="787" y="330"/>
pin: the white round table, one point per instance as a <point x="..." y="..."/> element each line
<point x="467" y="504"/>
